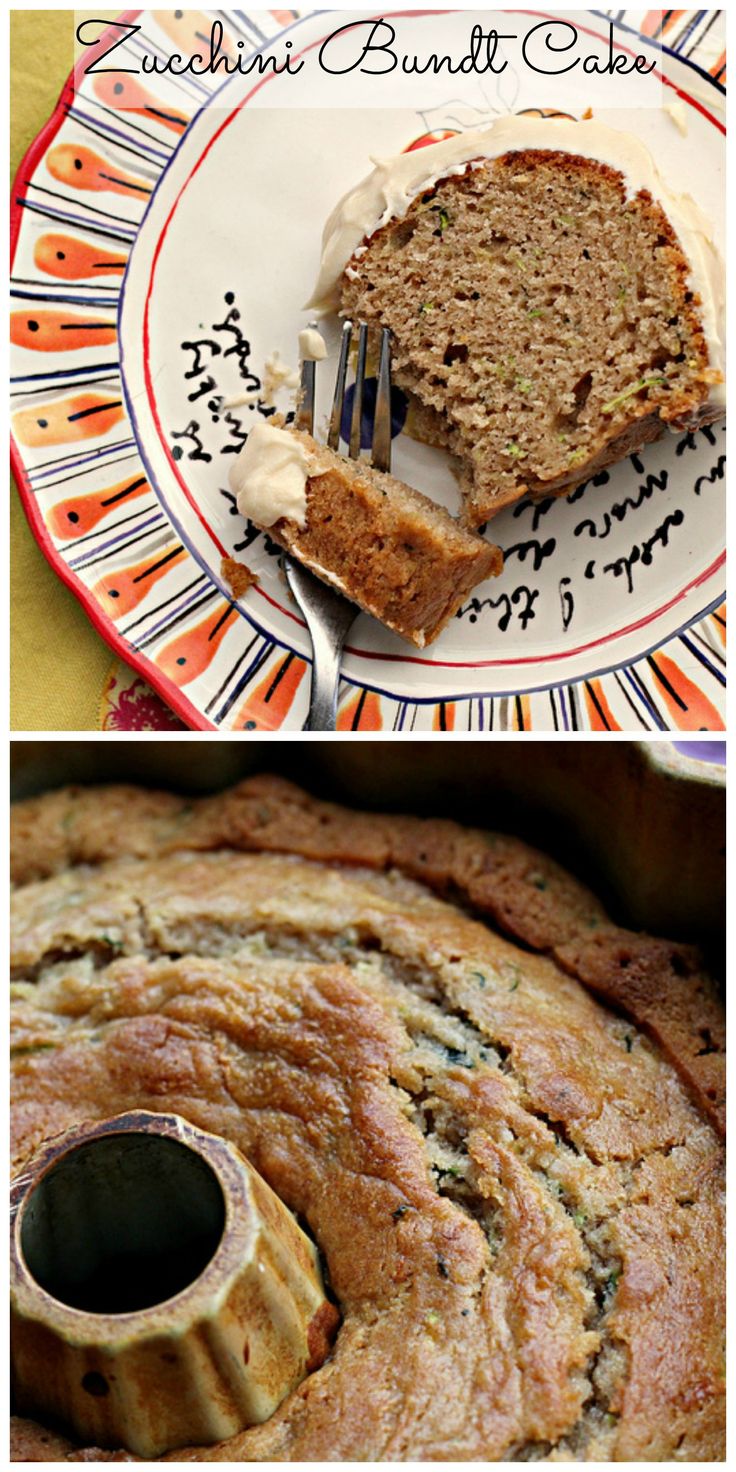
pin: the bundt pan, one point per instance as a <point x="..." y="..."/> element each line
<point x="161" y="1293"/>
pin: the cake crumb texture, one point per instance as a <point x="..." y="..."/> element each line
<point x="546" y="317"/>
<point x="389" y="548"/>
<point x="237" y="575"/>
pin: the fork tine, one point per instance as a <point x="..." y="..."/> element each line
<point x="333" y="434"/>
<point x="355" y="426"/>
<point x="304" y="418"/>
<point x="381" y="451"/>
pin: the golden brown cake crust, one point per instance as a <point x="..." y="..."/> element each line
<point x="519" y="1202"/>
<point x="523" y="891"/>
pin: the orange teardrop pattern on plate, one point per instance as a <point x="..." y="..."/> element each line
<point x="521" y="720"/>
<point x="718" y="69"/>
<point x="122" y="590"/>
<point x="268" y="706"/>
<point x="127" y="94"/>
<point x="83" y="417"/>
<point x="600" y="715"/>
<point x="361" y="713"/>
<point x="659" y="22"/>
<point x="444" y="716"/>
<point x="190" y="30"/>
<point x="81" y="168"/>
<point x="189" y="655"/>
<point x="718" y="622"/>
<point x="689" y="708"/>
<point x="76" y="515"/>
<point x="60" y="332"/>
<point x="70" y="259"/>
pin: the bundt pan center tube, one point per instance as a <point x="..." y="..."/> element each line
<point x="161" y="1293"/>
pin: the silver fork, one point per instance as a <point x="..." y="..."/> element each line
<point x="329" y="615"/>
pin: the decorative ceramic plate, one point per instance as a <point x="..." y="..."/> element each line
<point x="164" y="247"/>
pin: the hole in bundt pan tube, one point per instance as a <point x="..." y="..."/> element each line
<point x="122" y="1223"/>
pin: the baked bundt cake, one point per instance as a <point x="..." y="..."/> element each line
<point x="553" y="305"/>
<point x="498" y="1115"/>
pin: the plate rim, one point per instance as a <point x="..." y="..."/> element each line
<point x="103" y="625"/>
<point x="448" y="669"/>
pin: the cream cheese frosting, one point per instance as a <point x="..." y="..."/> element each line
<point x="312" y="346"/>
<point x="387" y="192"/>
<point x="269" y="477"/>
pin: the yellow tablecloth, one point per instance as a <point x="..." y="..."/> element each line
<point x="48" y="692"/>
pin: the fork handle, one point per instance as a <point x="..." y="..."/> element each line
<point x="327" y="654"/>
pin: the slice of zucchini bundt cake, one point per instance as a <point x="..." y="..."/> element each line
<point x="553" y="305"/>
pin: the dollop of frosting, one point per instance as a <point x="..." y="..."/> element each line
<point x="387" y="192"/>
<point x="269" y="477"/>
<point x="312" y="346"/>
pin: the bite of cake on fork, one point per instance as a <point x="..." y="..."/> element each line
<point x="384" y="545"/>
